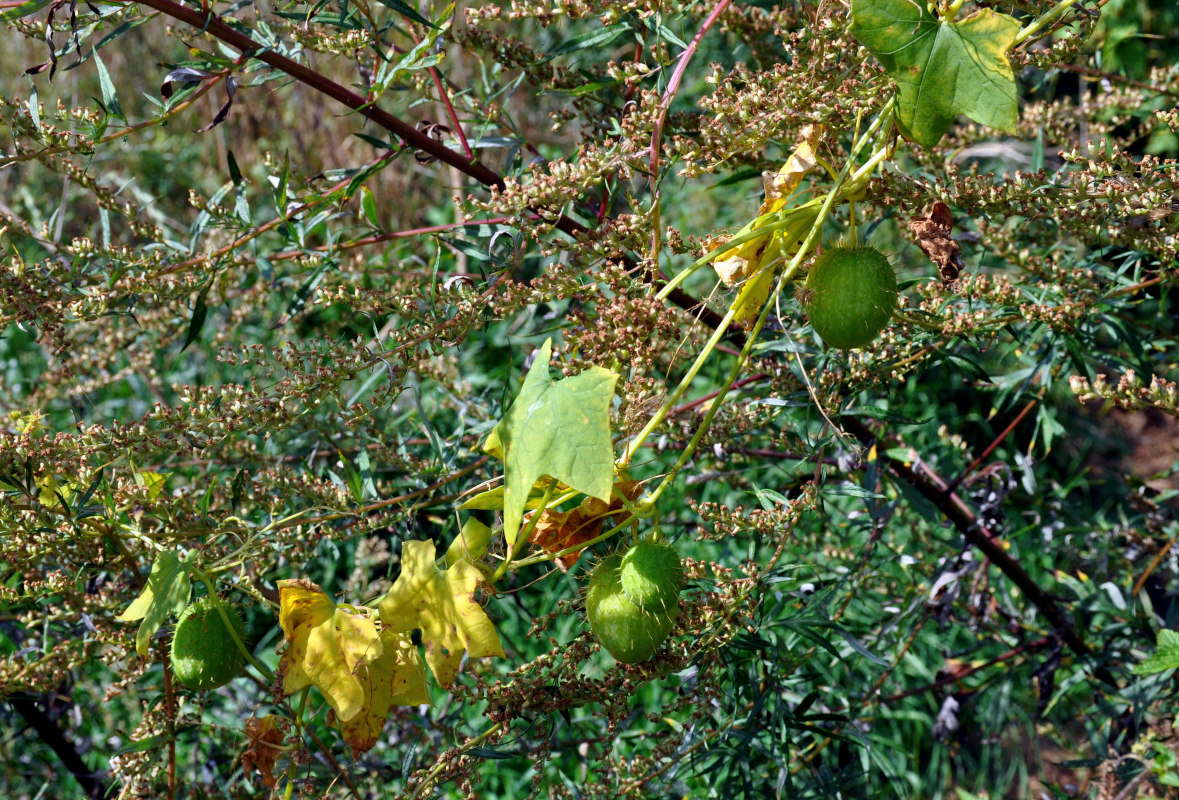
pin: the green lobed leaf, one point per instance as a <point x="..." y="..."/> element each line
<point x="942" y="69"/>
<point x="1165" y="658"/>
<point x="555" y="428"/>
<point x="166" y="592"/>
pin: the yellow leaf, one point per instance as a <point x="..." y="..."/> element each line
<point x="52" y="491"/>
<point x="338" y="650"/>
<point x="470" y="544"/>
<point x="396" y="678"/>
<point x="493" y="445"/>
<point x="779" y="186"/>
<point x="441" y="604"/>
<point x="738" y="264"/>
<point x="747" y="259"/>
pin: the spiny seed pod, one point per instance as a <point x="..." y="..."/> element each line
<point x="204" y="655"/>
<point x="651" y="575"/>
<point x="628" y="633"/>
<point x="850" y="295"/>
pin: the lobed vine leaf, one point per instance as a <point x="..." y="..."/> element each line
<point x="166" y="592"/>
<point x="1165" y="658"/>
<point x="394" y="678"/>
<point x="339" y="650"/>
<point x="440" y="602"/>
<point x="941" y="68"/>
<point x="556" y="428"/>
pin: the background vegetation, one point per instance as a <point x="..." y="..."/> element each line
<point x="247" y="318"/>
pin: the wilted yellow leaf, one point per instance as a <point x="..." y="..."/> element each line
<point x="779" y="185"/>
<point x="745" y="260"/>
<point x="341" y="652"/>
<point x="441" y="604"/>
<point x="396" y="678"/>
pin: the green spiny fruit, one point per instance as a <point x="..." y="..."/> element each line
<point x="651" y="575"/>
<point x="204" y="655"/>
<point x="850" y="295"/>
<point x="628" y="633"/>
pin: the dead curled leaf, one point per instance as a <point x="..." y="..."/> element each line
<point x="266" y="736"/>
<point x="933" y="237"/>
<point x="560" y="530"/>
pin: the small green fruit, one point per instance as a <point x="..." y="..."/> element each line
<point x="628" y="633"/>
<point x="204" y="655"/>
<point x="850" y="295"/>
<point x="651" y="575"/>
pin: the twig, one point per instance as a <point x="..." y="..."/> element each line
<point x="954" y="484"/>
<point x="55" y="738"/>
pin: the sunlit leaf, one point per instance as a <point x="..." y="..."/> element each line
<point x="166" y="592"/>
<point x="1165" y="658"/>
<point x="555" y="428"/>
<point x="337" y="649"/>
<point x="395" y="678"/>
<point x="470" y="544"/>
<point x="441" y="603"/>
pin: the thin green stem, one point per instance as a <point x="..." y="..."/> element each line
<point x="523" y="536"/>
<point x="263" y="670"/>
<point x="1042" y="21"/>
<point x="843" y="186"/>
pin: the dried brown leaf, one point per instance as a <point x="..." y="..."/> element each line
<point x="933" y="237"/>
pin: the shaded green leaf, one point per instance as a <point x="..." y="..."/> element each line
<point x="166" y="592"/>
<point x="408" y="11"/>
<point x="941" y="68"/>
<point x="199" y="312"/>
<point x="23" y="10"/>
<point x="109" y="97"/>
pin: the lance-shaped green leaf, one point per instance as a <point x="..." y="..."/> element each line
<point x="166" y="592"/>
<point x="556" y="428"/>
<point x="942" y="69"/>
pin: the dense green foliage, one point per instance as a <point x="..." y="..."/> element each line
<point x="386" y="322"/>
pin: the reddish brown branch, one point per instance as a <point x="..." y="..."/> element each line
<point x="966" y="673"/>
<point x="954" y="484"/>
<point x="215" y="26"/>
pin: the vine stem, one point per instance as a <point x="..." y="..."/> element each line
<point x="211" y="587"/>
<point x="522" y="536"/>
<point x="846" y="182"/>
<point x="1042" y="21"/>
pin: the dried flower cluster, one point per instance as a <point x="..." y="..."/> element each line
<point x="278" y="346"/>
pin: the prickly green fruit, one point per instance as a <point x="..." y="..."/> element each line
<point x="628" y="633"/>
<point x="850" y="295"/>
<point x="204" y="655"/>
<point x="651" y="575"/>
